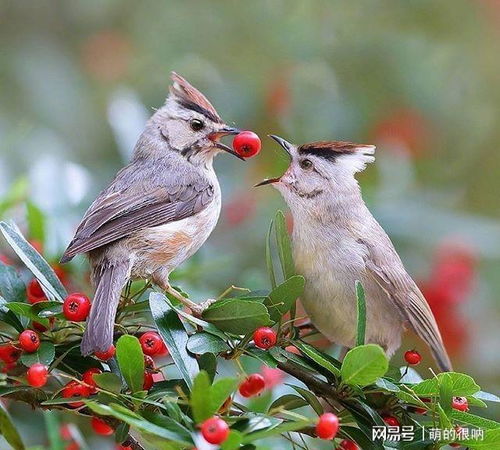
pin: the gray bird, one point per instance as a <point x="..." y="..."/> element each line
<point x="337" y="241"/>
<point x="158" y="210"/>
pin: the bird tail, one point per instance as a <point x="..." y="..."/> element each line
<point x="110" y="280"/>
<point x="441" y="356"/>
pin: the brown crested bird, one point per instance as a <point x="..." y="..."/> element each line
<point x="158" y="210"/>
<point x="337" y="241"/>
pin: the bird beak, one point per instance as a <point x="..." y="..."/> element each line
<point x="285" y="144"/>
<point x="226" y="131"/>
<point x="288" y="149"/>
<point x="268" y="181"/>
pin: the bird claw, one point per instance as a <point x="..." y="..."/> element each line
<point x="200" y="307"/>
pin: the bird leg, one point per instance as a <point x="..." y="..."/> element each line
<point x="196" y="308"/>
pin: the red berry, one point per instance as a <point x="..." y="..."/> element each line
<point x="72" y="446"/>
<point x="247" y="144"/>
<point x="65" y="432"/>
<point x="37" y="375"/>
<point x="151" y="343"/>
<point x="88" y="378"/>
<point x="75" y="389"/>
<point x="9" y="354"/>
<point x="76" y="307"/>
<point x="348" y="445"/>
<point x="327" y="426"/>
<point x="252" y="385"/>
<point x="123" y="447"/>
<point x="391" y="421"/>
<point x="148" y="381"/>
<point x="460" y="404"/>
<point x="215" y="430"/>
<point x="412" y="357"/>
<point x="29" y="341"/>
<point x="264" y="337"/>
<point x="35" y="292"/>
<point x="108" y="354"/>
<point x="101" y="427"/>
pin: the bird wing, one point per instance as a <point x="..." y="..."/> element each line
<point x="385" y="266"/>
<point x="117" y="214"/>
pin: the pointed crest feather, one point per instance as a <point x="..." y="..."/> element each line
<point x="192" y="98"/>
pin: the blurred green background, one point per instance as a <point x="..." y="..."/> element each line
<point x="420" y="79"/>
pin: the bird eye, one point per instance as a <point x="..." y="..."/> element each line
<point x="197" y="125"/>
<point x="306" y="164"/>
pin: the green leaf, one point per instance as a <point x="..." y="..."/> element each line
<point x="237" y="316"/>
<point x="363" y="365"/>
<point x="263" y="356"/>
<point x="284" y="246"/>
<point x="36" y="222"/>
<point x="206" y="399"/>
<point x="445" y="395"/>
<point x="283" y="297"/>
<point x="287" y="402"/>
<point x="462" y="385"/>
<point x="220" y="391"/>
<point x="487" y="396"/>
<point x="9" y="317"/>
<point x="11" y="286"/>
<point x="174" y="335"/>
<point x="26" y="310"/>
<point x="108" y="381"/>
<point x="200" y="343"/>
<point x="44" y="355"/>
<point x="472" y="419"/>
<point x="208" y="363"/>
<point x="360" y="438"/>
<point x="35" y="262"/>
<point x="317" y="356"/>
<point x="386" y="385"/>
<point x="275" y="431"/>
<point x="53" y="430"/>
<point x="131" y="361"/>
<point x="269" y="257"/>
<point x="8" y="430"/>
<point x="310" y="398"/>
<point x="489" y="441"/>
<point x="200" y="393"/>
<point x="361" y="309"/>
<point x="233" y="441"/>
<point x="137" y="422"/>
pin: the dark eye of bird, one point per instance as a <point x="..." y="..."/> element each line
<point x="306" y="164"/>
<point x="197" y="125"/>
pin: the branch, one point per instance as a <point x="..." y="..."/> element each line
<point x="319" y="387"/>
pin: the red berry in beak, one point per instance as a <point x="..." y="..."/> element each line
<point x="29" y="341"/>
<point x="76" y="307"/>
<point x="37" y="375"/>
<point x="264" y="337"/>
<point x="215" y="430"/>
<point x="327" y="426"/>
<point x="247" y="144"/>
<point x="412" y="357"/>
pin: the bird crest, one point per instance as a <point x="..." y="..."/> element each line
<point x="191" y="98"/>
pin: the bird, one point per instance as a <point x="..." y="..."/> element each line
<point x="336" y="241"/>
<point x="158" y="210"/>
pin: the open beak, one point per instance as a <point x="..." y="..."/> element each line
<point x="285" y="144"/>
<point x="226" y="131"/>
<point x="287" y="147"/>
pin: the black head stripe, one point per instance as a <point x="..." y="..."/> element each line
<point x="320" y="152"/>
<point x="199" y="109"/>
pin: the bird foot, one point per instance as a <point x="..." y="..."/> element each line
<point x="198" y="308"/>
